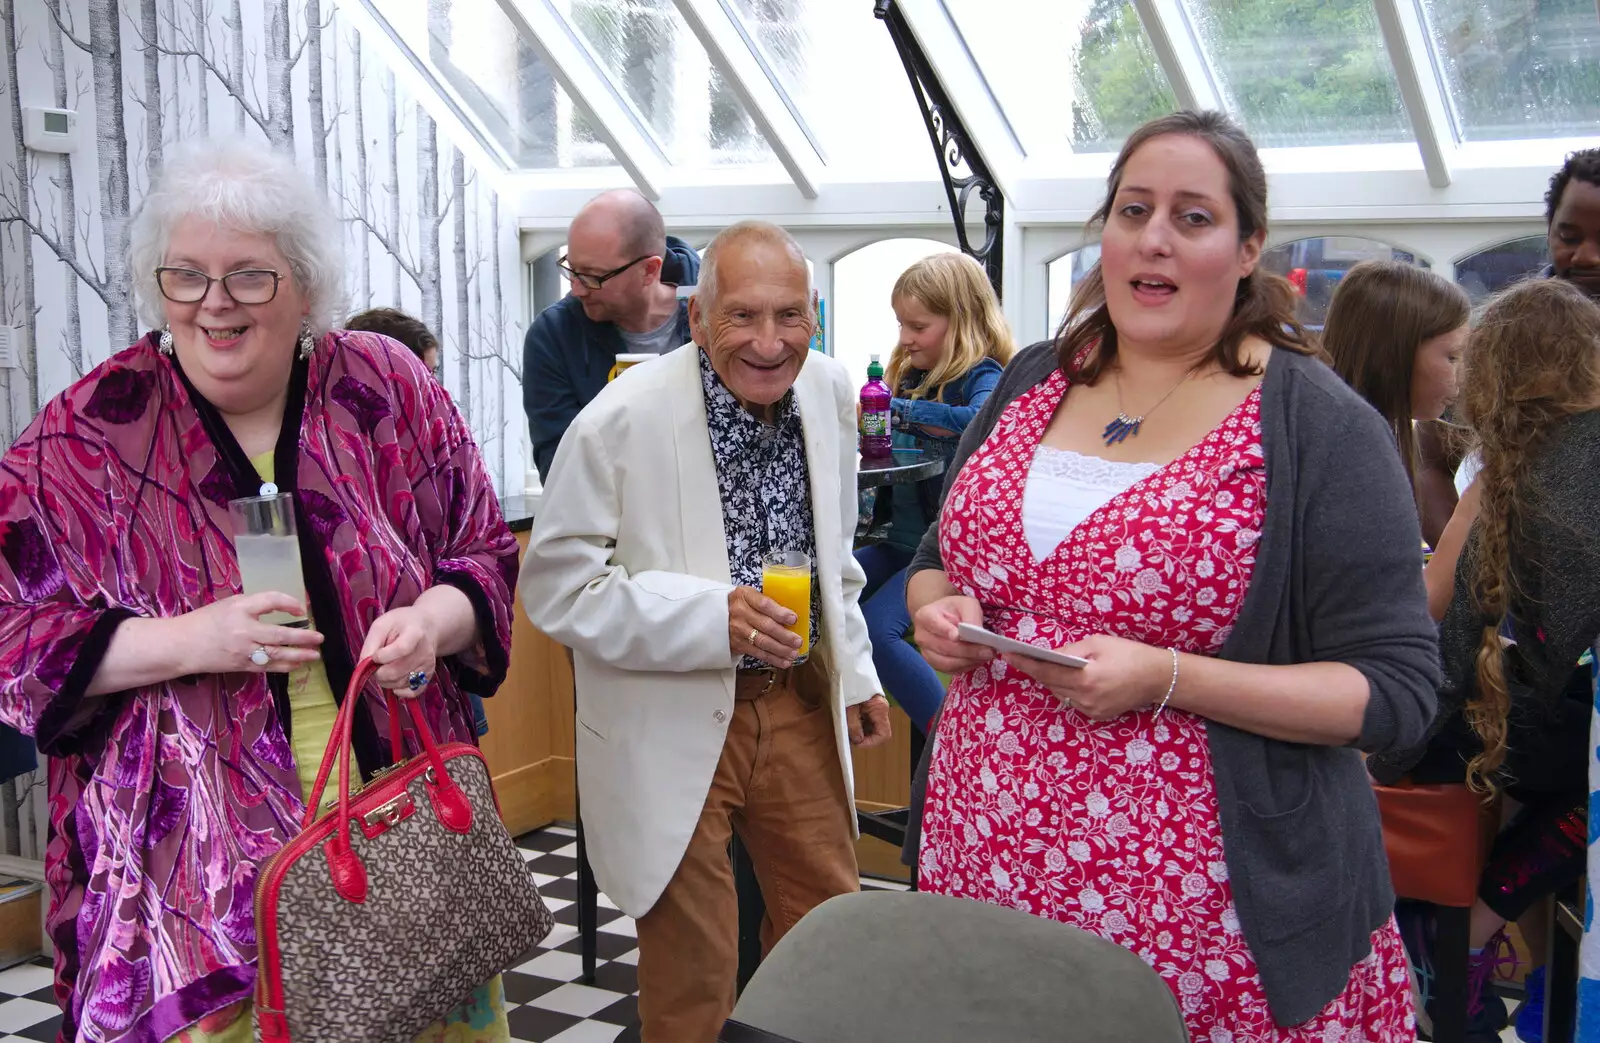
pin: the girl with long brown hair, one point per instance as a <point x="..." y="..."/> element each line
<point x="1395" y="333"/>
<point x="1514" y="711"/>
<point x="1177" y="492"/>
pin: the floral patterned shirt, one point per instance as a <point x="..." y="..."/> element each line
<point x="764" y="484"/>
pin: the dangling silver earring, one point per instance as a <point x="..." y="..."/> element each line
<point x="164" y="345"/>
<point x="308" y="343"/>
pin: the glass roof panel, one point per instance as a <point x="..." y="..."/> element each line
<point x="1519" y="68"/>
<point x="502" y="85"/>
<point x="656" y="61"/>
<point x="1116" y="83"/>
<point x="838" y="69"/>
<point x="1303" y="72"/>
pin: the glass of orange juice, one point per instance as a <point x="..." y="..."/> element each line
<point x="786" y="579"/>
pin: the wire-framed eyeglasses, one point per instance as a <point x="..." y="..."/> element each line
<point x="594" y="282"/>
<point x="245" y="286"/>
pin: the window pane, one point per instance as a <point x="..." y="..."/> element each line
<point x="1303" y="72"/>
<point x="1491" y="270"/>
<point x="840" y="71"/>
<point x="1519" y="68"/>
<point x="1066" y="272"/>
<point x="1315" y="266"/>
<point x="1114" y="84"/>
<point x="506" y="87"/>
<point x="660" y="66"/>
<point x="860" y="317"/>
<point x="547" y="284"/>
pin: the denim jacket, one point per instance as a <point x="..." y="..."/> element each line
<point x="960" y="404"/>
<point x="916" y="506"/>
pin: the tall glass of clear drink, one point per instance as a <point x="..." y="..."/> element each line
<point x="269" y="552"/>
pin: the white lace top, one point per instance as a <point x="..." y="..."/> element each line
<point x="1064" y="488"/>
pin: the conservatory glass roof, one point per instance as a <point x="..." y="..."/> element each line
<point x="812" y="93"/>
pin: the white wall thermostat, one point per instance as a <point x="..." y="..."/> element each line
<point x="12" y="340"/>
<point x="50" y="130"/>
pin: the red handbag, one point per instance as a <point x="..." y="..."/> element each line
<point x="388" y="911"/>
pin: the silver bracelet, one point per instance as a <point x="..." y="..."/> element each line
<point x="1172" y="687"/>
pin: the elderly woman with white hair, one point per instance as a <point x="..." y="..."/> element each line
<point x="184" y="729"/>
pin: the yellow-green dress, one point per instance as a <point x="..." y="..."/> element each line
<point x="482" y="1019"/>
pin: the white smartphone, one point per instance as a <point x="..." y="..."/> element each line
<point x="979" y="636"/>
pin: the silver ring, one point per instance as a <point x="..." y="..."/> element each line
<point x="753" y="632"/>
<point x="260" y="657"/>
<point x="416" y="680"/>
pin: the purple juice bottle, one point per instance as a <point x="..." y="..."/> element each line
<point x="875" y="401"/>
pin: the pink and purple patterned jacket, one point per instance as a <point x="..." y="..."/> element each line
<point x="165" y="800"/>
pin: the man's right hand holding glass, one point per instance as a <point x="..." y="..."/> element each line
<point x="758" y="627"/>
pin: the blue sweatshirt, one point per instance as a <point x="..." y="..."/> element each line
<point x="567" y="356"/>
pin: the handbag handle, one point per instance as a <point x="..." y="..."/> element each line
<point x="397" y="749"/>
<point x="450" y="804"/>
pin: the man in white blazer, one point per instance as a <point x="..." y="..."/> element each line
<point x="696" y="715"/>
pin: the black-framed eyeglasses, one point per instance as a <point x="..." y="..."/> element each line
<point x="594" y="282"/>
<point x="245" y="286"/>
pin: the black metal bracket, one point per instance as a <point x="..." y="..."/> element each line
<point x="961" y="166"/>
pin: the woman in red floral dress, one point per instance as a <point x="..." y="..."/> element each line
<point x="1095" y="796"/>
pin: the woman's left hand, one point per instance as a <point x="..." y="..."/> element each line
<point x="401" y="643"/>
<point x="1122" y="675"/>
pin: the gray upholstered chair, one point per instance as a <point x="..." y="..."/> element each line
<point x="887" y="967"/>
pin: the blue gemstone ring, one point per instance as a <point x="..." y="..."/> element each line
<point x="417" y="680"/>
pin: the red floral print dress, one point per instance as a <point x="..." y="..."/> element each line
<point x="1113" y="827"/>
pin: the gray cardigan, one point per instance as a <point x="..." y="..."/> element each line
<point x="1337" y="578"/>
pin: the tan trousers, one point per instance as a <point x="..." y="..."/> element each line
<point x="779" y="786"/>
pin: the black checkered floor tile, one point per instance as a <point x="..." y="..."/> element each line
<point x="544" y="998"/>
<point x="28" y="1011"/>
<point x="545" y="1002"/>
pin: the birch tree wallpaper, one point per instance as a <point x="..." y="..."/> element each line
<point x="424" y="231"/>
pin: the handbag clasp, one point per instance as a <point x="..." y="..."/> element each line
<point x="387" y="814"/>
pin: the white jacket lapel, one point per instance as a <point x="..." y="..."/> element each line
<point x="821" y="429"/>
<point x="705" y="542"/>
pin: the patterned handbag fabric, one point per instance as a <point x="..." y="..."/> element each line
<point x="384" y="913"/>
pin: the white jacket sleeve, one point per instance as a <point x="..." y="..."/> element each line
<point x="859" y="676"/>
<point x="649" y="621"/>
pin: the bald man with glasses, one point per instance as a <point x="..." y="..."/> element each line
<point x="624" y="271"/>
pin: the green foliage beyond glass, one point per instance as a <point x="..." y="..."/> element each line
<point x="1316" y="72"/>
<point x="1119" y="83"/>
<point x="1297" y="72"/>
<point x="1520" y="68"/>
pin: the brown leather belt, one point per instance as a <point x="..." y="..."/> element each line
<point x="753" y="684"/>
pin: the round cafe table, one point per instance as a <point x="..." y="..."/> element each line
<point x="899" y="468"/>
